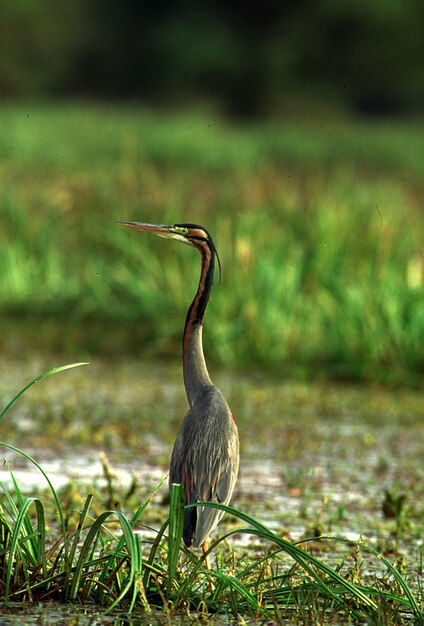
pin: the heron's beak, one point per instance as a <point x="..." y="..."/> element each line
<point x="162" y="230"/>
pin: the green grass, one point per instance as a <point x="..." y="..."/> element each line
<point x="107" y="561"/>
<point x="319" y="228"/>
<point x="114" y="560"/>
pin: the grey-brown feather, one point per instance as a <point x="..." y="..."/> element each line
<point x="205" y="461"/>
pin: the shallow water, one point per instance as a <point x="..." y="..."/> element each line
<point x="74" y="615"/>
<point x="316" y="459"/>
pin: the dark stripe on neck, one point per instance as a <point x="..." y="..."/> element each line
<point x="196" y="312"/>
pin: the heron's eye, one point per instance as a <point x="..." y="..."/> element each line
<point x="181" y="230"/>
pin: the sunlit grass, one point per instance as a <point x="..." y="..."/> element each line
<point x="79" y="137"/>
<point x="322" y="256"/>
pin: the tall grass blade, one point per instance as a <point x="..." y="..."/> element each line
<point x="310" y="564"/>
<point x="133" y="556"/>
<point x="75" y="542"/>
<point x="237" y="585"/>
<point x="149" y="564"/>
<point x="54" y="370"/>
<point x="175" y="532"/>
<point x="51" y="487"/>
<point x="413" y="604"/>
<point x="20" y="538"/>
<point x="139" y="512"/>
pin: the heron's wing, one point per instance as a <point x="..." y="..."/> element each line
<point x="215" y="475"/>
<point x="205" y="462"/>
<point x="181" y="472"/>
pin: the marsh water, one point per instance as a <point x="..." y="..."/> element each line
<point x="316" y="458"/>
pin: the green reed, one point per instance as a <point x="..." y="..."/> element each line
<point x="319" y="232"/>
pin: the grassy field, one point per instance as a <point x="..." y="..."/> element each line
<point x="319" y="226"/>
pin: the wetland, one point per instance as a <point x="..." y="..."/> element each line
<point x="317" y="458"/>
<point x="315" y="336"/>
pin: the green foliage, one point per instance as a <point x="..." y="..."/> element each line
<point x="105" y="565"/>
<point x="38" y="42"/>
<point x="319" y="232"/>
<point x="363" y="55"/>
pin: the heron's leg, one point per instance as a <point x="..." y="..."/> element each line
<point x="205" y="546"/>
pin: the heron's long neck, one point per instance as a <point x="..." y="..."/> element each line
<point x="195" y="371"/>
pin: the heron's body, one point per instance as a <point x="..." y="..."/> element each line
<point x="205" y="461"/>
<point x="205" y="457"/>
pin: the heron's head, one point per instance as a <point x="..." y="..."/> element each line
<point x="190" y="234"/>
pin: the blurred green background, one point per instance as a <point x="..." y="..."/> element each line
<point x="293" y="131"/>
<point x="249" y="58"/>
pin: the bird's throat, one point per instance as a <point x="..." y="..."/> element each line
<point x="196" y="374"/>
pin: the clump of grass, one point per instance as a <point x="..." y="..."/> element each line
<point x="108" y="562"/>
<point x="111" y="560"/>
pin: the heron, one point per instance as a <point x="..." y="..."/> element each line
<point x="205" y="456"/>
